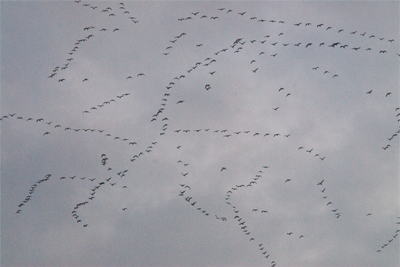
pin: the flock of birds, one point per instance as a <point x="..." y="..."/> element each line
<point x="259" y="48"/>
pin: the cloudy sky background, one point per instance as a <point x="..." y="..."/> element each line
<point x="333" y="116"/>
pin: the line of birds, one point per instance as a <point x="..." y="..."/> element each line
<point x="240" y="219"/>
<point x="106" y="102"/>
<point x="396" y="233"/>
<point x="121" y="7"/>
<point x="108" y="181"/>
<point x="335" y="211"/>
<point x="252" y="18"/>
<point x="226" y="133"/>
<point x="173" y="41"/>
<point x="31" y="191"/>
<point x="68" y="128"/>
<point x="78" y="42"/>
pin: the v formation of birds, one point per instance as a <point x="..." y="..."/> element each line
<point x="262" y="51"/>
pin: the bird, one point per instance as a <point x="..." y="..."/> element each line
<point x="223" y="168"/>
<point x="320" y="183"/>
<point x="369" y="92"/>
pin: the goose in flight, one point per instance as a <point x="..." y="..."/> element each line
<point x="320" y="183"/>
<point x="140" y="74"/>
<point x="369" y="92"/>
<point x="223" y="168"/>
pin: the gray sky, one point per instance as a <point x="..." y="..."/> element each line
<point x="244" y="174"/>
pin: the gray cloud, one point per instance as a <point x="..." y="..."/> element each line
<point x="344" y="128"/>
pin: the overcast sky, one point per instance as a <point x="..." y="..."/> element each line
<point x="198" y="134"/>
